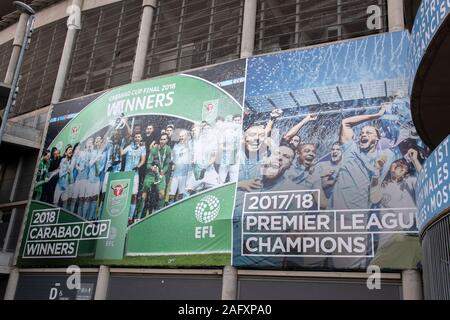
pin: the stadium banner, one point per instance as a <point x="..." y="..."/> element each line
<point x="153" y="165"/>
<point x="54" y="233"/>
<point x="329" y="160"/>
<point x="428" y="20"/>
<point x="115" y="209"/>
<point x="305" y="159"/>
<point x="433" y="186"/>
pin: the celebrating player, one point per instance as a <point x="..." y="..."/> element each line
<point x="181" y="159"/>
<point x="65" y="177"/>
<point x="203" y="174"/>
<point x="291" y="137"/>
<point x="97" y="164"/>
<point x="134" y="158"/>
<point x="162" y="153"/>
<point x="351" y="189"/>
<point x="81" y="183"/>
<point x="256" y="145"/>
<point x="42" y="175"/>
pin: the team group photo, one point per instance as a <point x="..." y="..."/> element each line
<point x="358" y="155"/>
<point x="171" y="158"/>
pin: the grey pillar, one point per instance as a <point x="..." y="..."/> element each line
<point x="248" y="28"/>
<point x="12" y="222"/>
<point x="143" y="40"/>
<point x="12" y="284"/>
<point x="412" y="285"/>
<point x="73" y="25"/>
<point x="17" y="45"/>
<point x="101" y="291"/>
<point x="395" y="15"/>
<point x="12" y="197"/>
<point x="229" y="283"/>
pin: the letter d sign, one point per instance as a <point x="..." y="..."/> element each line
<point x="53" y="294"/>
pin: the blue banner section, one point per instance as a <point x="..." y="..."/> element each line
<point x="329" y="159"/>
<point x="429" y="18"/>
<point x="352" y="62"/>
<point x="433" y="185"/>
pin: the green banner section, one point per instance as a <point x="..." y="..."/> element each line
<point x="53" y="233"/>
<point x="183" y="132"/>
<point x="201" y="224"/>
<point x="115" y="209"/>
<point x="183" y="96"/>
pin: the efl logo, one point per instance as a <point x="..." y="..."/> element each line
<point x="206" y="211"/>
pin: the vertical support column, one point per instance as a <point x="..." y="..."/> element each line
<point x="17" y="45"/>
<point x="73" y="25"/>
<point x="101" y="290"/>
<point x="297" y="23"/>
<point x="210" y="32"/>
<point x="412" y="285"/>
<point x="229" y="283"/>
<point x="395" y="15"/>
<point x="12" y="284"/>
<point x="248" y="28"/>
<point x="12" y="197"/>
<point x="143" y="40"/>
<point x="12" y="221"/>
<point x="180" y="32"/>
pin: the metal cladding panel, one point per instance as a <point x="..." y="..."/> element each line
<point x="309" y="289"/>
<point x="140" y="287"/>
<point x="436" y="260"/>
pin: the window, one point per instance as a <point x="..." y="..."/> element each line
<point x="40" y="67"/>
<point x="286" y="24"/>
<point x="105" y="48"/>
<point x="190" y="34"/>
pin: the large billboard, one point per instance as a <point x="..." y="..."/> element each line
<point x="428" y="20"/>
<point x="141" y="163"/>
<point x="305" y="159"/>
<point x="329" y="159"/>
<point x="433" y="186"/>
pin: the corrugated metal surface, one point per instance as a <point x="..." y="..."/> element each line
<point x="105" y="48"/>
<point x="436" y="260"/>
<point x="191" y="34"/>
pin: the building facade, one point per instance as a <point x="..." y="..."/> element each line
<point x="261" y="56"/>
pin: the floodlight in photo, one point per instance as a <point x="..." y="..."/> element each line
<point x="305" y="97"/>
<point x="328" y="94"/>
<point x="351" y="91"/>
<point x="283" y="100"/>
<point x="397" y="87"/>
<point x="374" y="89"/>
<point x="259" y="103"/>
